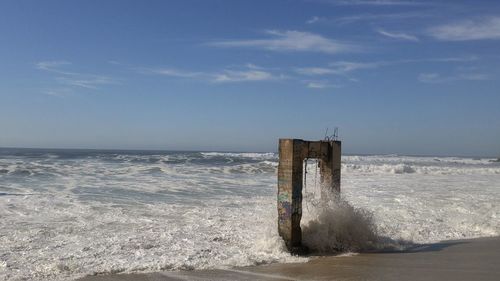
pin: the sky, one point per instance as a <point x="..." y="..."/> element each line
<point x="395" y="76"/>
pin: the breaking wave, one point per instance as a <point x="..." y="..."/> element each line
<point x="332" y="225"/>
<point x="335" y="226"/>
<point x="418" y="169"/>
<point x="66" y="214"/>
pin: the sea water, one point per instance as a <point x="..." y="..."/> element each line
<point x="70" y="213"/>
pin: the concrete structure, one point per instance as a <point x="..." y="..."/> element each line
<point x="292" y="153"/>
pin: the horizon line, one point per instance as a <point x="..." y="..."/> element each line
<point x="242" y="151"/>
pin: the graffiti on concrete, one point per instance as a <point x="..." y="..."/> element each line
<point x="284" y="207"/>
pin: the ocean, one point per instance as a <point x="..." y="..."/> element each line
<point x="65" y="214"/>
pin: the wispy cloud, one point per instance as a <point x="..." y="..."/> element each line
<point x="321" y="85"/>
<point x="54" y="66"/>
<point x="398" y="35"/>
<point x="345" y="67"/>
<point x="339" y="68"/>
<point x="248" y="73"/>
<point x="377" y="2"/>
<point x="429" y="77"/>
<point x="88" y="82"/>
<point x="305" y="75"/>
<point x="73" y="79"/>
<point x="60" y="92"/>
<point x="314" y="19"/>
<point x="172" y="72"/>
<point x="470" y="58"/>
<point x="315" y="70"/>
<point x="51" y="65"/>
<point x="438" y="78"/>
<point x="291" y="41"/>
<point x="253" y="66"/>
<point x="374" y="17"/>
<point x="471" y="29"/>
<point x="245" y="75"/>
<point x="475" y="76"/>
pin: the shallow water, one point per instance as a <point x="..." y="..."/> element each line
<point x="69" y="213"/>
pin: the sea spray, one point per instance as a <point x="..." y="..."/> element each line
<point x="332" y="225"/>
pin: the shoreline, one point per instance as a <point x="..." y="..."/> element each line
<point x="468" y="259"/>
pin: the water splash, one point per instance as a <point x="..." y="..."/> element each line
<point x="333" y="225"/>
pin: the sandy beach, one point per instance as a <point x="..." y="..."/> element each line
<point x="474" y="259"/>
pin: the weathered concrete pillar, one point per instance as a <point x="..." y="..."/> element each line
<point x="292" y="153"/>
<point x="290" y="191"/>
<point x="330" y="168"/>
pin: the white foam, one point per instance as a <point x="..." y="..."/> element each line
<point x="255" y="155"/>
<point x="419" y="165"/>
<point x="67" y="218"/>
<point x="61" y="238"/>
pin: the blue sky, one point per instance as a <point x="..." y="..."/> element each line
<point x="396" y="76"/>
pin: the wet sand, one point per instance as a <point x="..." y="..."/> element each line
<point x="475" y="259"/>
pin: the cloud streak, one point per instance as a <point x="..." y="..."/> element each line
<point x="433" y="78"/>
<point x="372" y="17"/>
<point x="346" y="67"/>
<point x="398" y="35"/>
<point x="72" y="79"/>
<point x="290" y="40"/>
<point x="320" y="85"/>
<point x="477" y="29"/>
<point x="243" y="76"/>
<point x="376" y="2"/>
<point x="314" y="20"/>
<point x="88" y="82"/>
<point x="173" y="72"/>
<point x="59" y="92"/>
<point x="249" y="73"/>
<point x="338" y="68"/>
<point x="54" y="66"/>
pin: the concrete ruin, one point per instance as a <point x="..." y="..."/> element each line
<point x="292" y="153"/>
